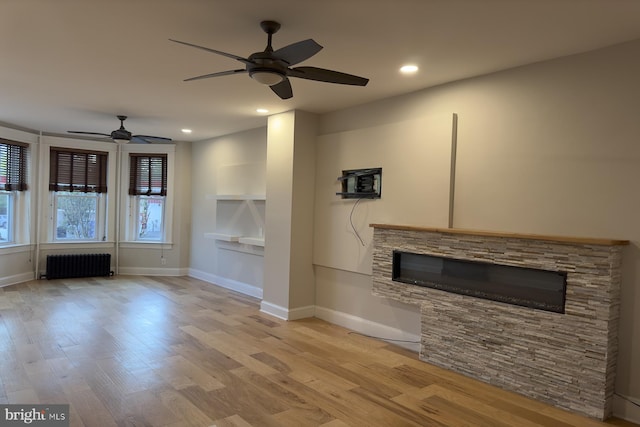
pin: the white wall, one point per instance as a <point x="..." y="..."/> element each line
<point x="550" y="148"/>
<point x="232" y="164"/>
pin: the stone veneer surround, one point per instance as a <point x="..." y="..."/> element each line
<point x="568" y="360"/>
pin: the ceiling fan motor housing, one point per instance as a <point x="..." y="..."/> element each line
<point x="266" y="69"/>
<point x="121" y="134"/>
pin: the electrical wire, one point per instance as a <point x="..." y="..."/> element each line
<point x="627" y="399"/>
<point x="384" y="339"/>
<point x="351" y="221"/>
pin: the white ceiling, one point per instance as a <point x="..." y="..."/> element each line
<point x="76" y="64"/>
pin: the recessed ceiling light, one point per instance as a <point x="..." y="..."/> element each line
<point x="186" y="130"/>
<point x="262" y="110"/>
<point x="408" y="69"/>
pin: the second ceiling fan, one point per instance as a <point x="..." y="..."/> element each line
<point x="272" y="68"/>
<point x="123" y="136"/>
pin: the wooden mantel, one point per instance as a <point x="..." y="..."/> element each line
<point x="561" y="239"/>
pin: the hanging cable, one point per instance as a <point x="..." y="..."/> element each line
<point x="627" y="399"/>
<point x="383" y="339"/>
<point x="351" y="221"/>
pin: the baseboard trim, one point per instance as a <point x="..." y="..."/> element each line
<point x="16" y="278"/>
<point x="146" y="271"/>
<point x="302" y="312"/>
<point x="274" y="310"/>
<point x="624" y="409"/>
<point x="367" y="327"/>
<point x="287" y="314"/>
<point x="223" y="282"/>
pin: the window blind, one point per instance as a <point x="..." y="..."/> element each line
<point x="78" y="170"/>
<point x="13" y="165"/>
<point x="148" y="174"/>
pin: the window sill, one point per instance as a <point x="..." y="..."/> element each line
<point x="73" y="245"/>
<point x="146" y="245"/>
<point x="15" y="248"/>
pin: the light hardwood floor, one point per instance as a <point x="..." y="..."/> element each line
<point x="176" y="351"/>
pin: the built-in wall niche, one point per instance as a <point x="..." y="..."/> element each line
<point x="240" y="205"/>
<point x="361" y="183"/>
<point x="239" y="218"/>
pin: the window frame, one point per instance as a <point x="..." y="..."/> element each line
<point x="106" y="211"/>
<point x="130" y="204"/>
<point x="20" y="193"/>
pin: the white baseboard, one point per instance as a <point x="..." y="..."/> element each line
<point x="274" y="310"/>
<point x="302" y="312"/>
<point x="16" y="278"/>
<point x="624" y="409"/>
<point x="367" y="327"/>
<point x="285" y="313"/>
<point x="223" y="282"/>
<point x="146" y="271"/>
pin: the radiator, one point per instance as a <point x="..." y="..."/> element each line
<point x="78" y="265"/>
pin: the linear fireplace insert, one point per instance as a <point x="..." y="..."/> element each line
<point x="528" y="287"/>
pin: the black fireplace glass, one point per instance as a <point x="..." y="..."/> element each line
<point x="524" y="286"/>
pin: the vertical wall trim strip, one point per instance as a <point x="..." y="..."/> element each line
<point x="452" y="177"/>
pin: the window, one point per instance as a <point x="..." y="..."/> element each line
<point x="13" y="180"/>
<point x="78" y="180"/>
<point x="6" y="217"/>
<point x="148" y="188"/>
<point x="150" y="216"/>
<point x="76" y="215"/>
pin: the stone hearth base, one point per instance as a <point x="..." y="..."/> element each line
<point x="567" y="360"/>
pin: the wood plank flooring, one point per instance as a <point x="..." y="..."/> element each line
<point x="176" y="351"/>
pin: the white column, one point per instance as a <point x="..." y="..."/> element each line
<point x="289" y="283"/>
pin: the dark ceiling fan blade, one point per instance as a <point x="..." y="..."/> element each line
<point x="149" y="138"/>
<point x="221" y="73"/>
<point x="329" y="76"/>
<point x="298" y="52"/>
<point x="283" y="89"/>
<point x="228" y="55"/>
<point x="90" y="133"/>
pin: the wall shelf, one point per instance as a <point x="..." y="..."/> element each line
<point x="239" y="218"/>
<point x="254" y="241"/>
<point x="222" y="236"/>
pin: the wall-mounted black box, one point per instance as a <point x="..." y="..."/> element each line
<point x="361" y="183"/>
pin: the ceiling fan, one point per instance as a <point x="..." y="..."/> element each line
<point x="123" y="136"/>
<point x="272" y="68"/>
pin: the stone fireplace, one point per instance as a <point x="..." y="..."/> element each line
<point x="565" y="359"/>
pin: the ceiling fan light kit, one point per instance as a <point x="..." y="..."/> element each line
<point x="272" y="68"/>
<point x="266" y="77"/>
